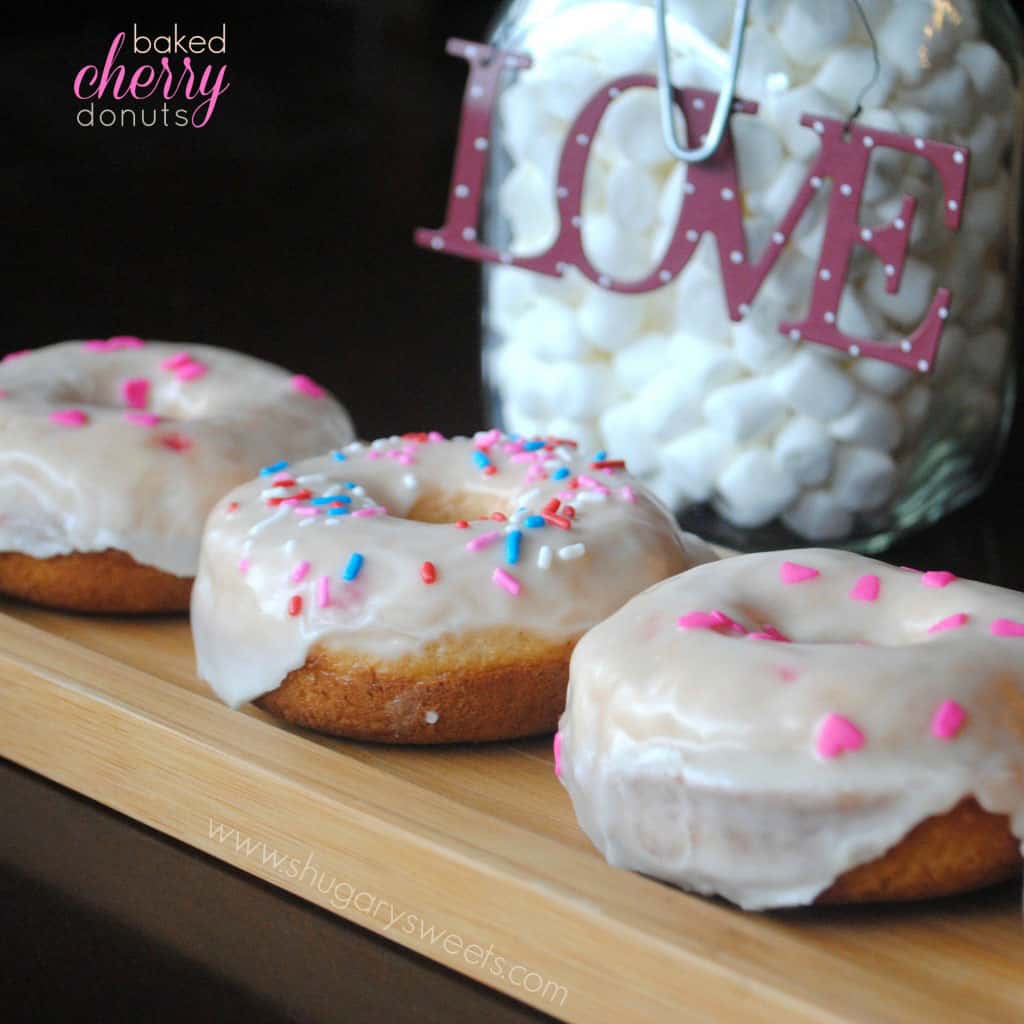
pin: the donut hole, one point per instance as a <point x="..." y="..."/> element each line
<point x="106" y="393"/>
<point x="844" y="632"/>
<point x="440" y="506"/>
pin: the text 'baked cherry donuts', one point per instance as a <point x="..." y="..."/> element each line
<point x="801" y="726"/>
<point x="419" y="590"/>
<point x="113" y="451"/>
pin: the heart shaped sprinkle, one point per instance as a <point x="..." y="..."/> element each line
<point x="937" y="579"/>
<point x="69" y="417"/>
<point x="948" y="719"/>
<point x="557" y="746"/>
<point x="135" y="392"/>
<point x="838" y="735"/>
<point x="867" y="588"/>
<point x="790" y="572"/>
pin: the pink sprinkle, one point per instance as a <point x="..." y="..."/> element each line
<point x="243" y="565"/>
<point x="557" y="747"/>
<point x="177" y="360"/>
<point x="191" y="370"/>
<point x="373" y="455"/>
<point x="435" y="436"/>
<point x="948" y="719"/>
<point x="307" y="386"/>
<point x="300" y="572"/>
<point x="15" y="355"/>
<point x="290" y="502"/>
<point x="308" y="511"/>
<point x="587" y="481"/>
<point x="69" y="417"/>
<point x="284" y="477"/>
<point x="628" y="495"/>
<point x="836" y="735"/>
<point x="142" y="419"/>
<point x="535" y="472"/>
<point x="867" y="588"/>
<point x="369" y="513"/>
<point x="323" y="592"/>
<point x="793" y="573"/>
<point x="506" y="581"/>
<point x="723" y="621"/>
<point x="1007" y="627"/>
<point x="485" y="540"/>
<point x="119" y="341"/>
<point x="696" y="620"/>
<point x="3" y="392"/>
<point x="937" y="579"/>
<point x="135" y="392"/>
<point x="950" y="622"/>
<point x="769" y="633"/>
<point x="487" y="439"/>
<point x="787" y="674"/>
<point x="96" y="345"/>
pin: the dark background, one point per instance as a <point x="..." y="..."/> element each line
<point x="283" y="228"/>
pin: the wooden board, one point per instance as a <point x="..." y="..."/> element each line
<point x="476" y="848"/>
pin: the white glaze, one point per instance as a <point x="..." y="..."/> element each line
<point x="691" y="755"/>
<point x="113" y="483"/>
<point x="246" y="641"/>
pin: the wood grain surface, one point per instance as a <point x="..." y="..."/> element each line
<point x="475" y="847"/>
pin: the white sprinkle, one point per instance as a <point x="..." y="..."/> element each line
<point x="530" y="496"/>
<point x="311" y="478"/>
<point x="310" y="520"/>
<point x="259" y="527"/>
<point x="360" y="491"/>
<point x="572" y="551"/>
<point x="591" y="496"/>
<point x="355" y="446"/>
<point x="381" y="442"/>
<point x="410" y="481"/>
<point x="274" y="492"/>
<point x="431" y="717"/>
<point x="331" y="491"/>
<point x="289" y="547"/>
<point x="544" y="558"/>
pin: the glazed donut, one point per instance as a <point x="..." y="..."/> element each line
<point x="113" y="451"/>
<point x="419" y="590"/>
<point x="803" y="726"/>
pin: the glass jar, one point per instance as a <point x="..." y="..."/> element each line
<point x="758" y="436"/>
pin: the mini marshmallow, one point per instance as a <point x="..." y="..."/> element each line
<point x="858" y="320"/>
<point x="950" y="358"/>
<point x="882" y="378"/>
<point x="784" y="111"/>
<point x="986" y="356"/>
<point x="987" y="143"/>
<point x="670" y="199"/>
<point x="990" y="304"/>
<point x="700" y="301"/>
<point x="694" y="460"/>
<point x="639" y="363"/>
<point x="510" y="291"/>
<point x="580" y="390"/>
<point x="752" y="490"/>
<point x="621" y="433"/>
<point x="985" y="208"/>
<point x="914" y="406"/>
<point x="806" y="31"/>
<point x="758" y="152"/>
<point x="947" y="92"/>
<point x="669" y="405"/>
<point x="988" y="72"/>
<point x="609" y="320"/>
<point x="527" y="201"/>
<point x="631" y="127"/>
<point x="817" y="516"/>
<point x="804" y="451"/>
<point x="521" y="116"/>
<point x="548" y="329"/>
<point x="759" y="344"/>
<point x="745" y="409"/>
<point x="847" y="72"/>
<point x="632" y="196"/>
<point x="902" y="40"/>
<point x="863" y="479"/>
<point x="702" y="365"/>
<point x="764" y="67"/>
<point x="871" y="422"/>
<point x="908" y="305"/>
<point x="567" y="83"/>
<point x="812" y="384"/>
<point x="614" y="250"/>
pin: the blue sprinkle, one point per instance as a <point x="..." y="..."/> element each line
<point x="351" y="485"/>
<point x="340" y="456"/>
<point x="512" y="541"/>
<point x="600" y="456"/>
<point x="480" y="459"/>
<point x="329" y="499"/>
<point x="343" y="511"/>
<point x="355" y="563"/>
<point x="534" y="522"/>
<point x="560" y="474"/>
<point x="275" y="467"/>
<point x="532" y="446"/>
